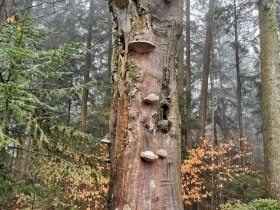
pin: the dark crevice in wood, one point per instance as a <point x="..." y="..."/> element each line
<point x="165" y="111"/>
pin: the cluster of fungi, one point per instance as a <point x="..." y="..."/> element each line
<point x="141" y="46"/>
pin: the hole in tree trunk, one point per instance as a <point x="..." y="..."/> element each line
<point x="165" y="111"/>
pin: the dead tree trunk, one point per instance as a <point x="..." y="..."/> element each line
<point x="145" y="117"/>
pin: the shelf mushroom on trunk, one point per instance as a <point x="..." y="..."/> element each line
<point x="151" y="99"/>
<point x="141" y="46"/>
<point x="148" y="156"/>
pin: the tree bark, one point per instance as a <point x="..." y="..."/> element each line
<point x="213" y="102"/>
<point x="6" y="9"/>
<point x="9" y="7"/>
<point x="2" y="11"/>
<point x="180" y="90"/>
<point x="84" y="106"/>
<point x="27" y="5"/>
<point x="270" y="75"/>
<point x="205" y="74"/>
<point x="138" y="125"/>
<point x="238" y="80"/>
<point x="223" y="110"/>
<point x="188" y="78"/>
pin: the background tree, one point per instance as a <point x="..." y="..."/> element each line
<point x="188" y="140"/>
<point x="238" y="79"/>
<point x="34" y="110"/>
<point x="205" y="73"/>
<point x="270" y="94"/>
<point x="28" y="5"/>
<point x="87" y="67"/>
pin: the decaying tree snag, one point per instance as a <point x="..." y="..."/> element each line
<point x="137" y="125"/>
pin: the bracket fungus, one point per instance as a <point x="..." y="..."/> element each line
<point x="148" y="156"/>
<point x="105" y="139"/>
<point x="107" y="160"/>
<point x="120" y="3"/>
<point x="151" y="99"/>
<point x="161" y="153"/>
<point x="141" y="46"/>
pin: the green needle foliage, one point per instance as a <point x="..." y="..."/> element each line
<point x="39" y="156"/>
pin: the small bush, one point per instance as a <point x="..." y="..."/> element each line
<point x="265" y="204"/>
<point x="257" y="204"/>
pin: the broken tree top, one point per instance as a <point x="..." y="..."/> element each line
<point x="141" y="46"/>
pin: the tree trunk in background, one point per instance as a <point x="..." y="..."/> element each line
<point x="84" y="107"/>
<point x="9" y="7"/>
<point x="27" y="5"/>
<point x="6" y="9"/>
<point x="2" y="11"/>
<point x="205" y="73"/>
<point x="110" y="48"/>
<point x="213" y="102"/>
<point x="238" y="79"/>
<point x="223" y="111"/>
<point x="135" y="125"/>
<point x="188" y="140"/>
<point x="277" y="14"/>
<point x="69" y="104"/>
<point x="270" y="74"/>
